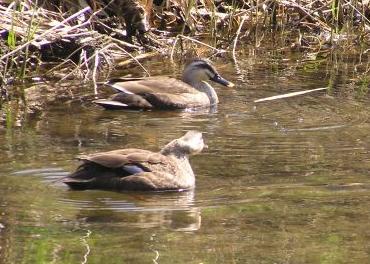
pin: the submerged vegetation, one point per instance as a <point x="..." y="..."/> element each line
<point x="87" y="39"/>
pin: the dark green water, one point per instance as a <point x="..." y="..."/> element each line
<point x="285" y="181"/>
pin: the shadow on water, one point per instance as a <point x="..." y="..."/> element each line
<point x="284" y="181"/>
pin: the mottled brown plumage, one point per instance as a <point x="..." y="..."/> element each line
<point x="138" y="169"/>
<point x="161" y="92"/>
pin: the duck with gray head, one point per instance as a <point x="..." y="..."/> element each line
<point x="161" y="92"/>
<point x="138" y="169"/>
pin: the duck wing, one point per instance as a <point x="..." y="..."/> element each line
<point x="124" y="101"/>
<point x="153" y="92"/>
<point x="151" y="85"/>
<point x="151" y="181"/>
<point x="106" y="170"/>
<point x="118" y="158"/>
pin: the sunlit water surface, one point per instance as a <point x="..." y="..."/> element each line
<point x="285" y="181"/>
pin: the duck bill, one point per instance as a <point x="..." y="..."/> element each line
<point x="224" y="82"/>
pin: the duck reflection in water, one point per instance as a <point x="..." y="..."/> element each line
<point x="172" y="210"/>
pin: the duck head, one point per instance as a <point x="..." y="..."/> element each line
<point x="201" y="70"/>
<point x="190" y="144"/>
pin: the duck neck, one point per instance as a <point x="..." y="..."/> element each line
<point x="206" y="88"/>
<point x="173" y="150"/>
<point x="184" y="164"/>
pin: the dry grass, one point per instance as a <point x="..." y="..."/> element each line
<point x="63" y="42"/>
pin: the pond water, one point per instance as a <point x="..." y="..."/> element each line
<point x="284" y="181"/>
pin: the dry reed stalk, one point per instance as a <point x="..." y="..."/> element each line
<point x="179" y="37"/>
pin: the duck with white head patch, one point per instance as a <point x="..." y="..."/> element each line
<point x="138" y="169"/>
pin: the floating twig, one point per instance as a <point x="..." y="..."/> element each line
<point x="287" y="95"/>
